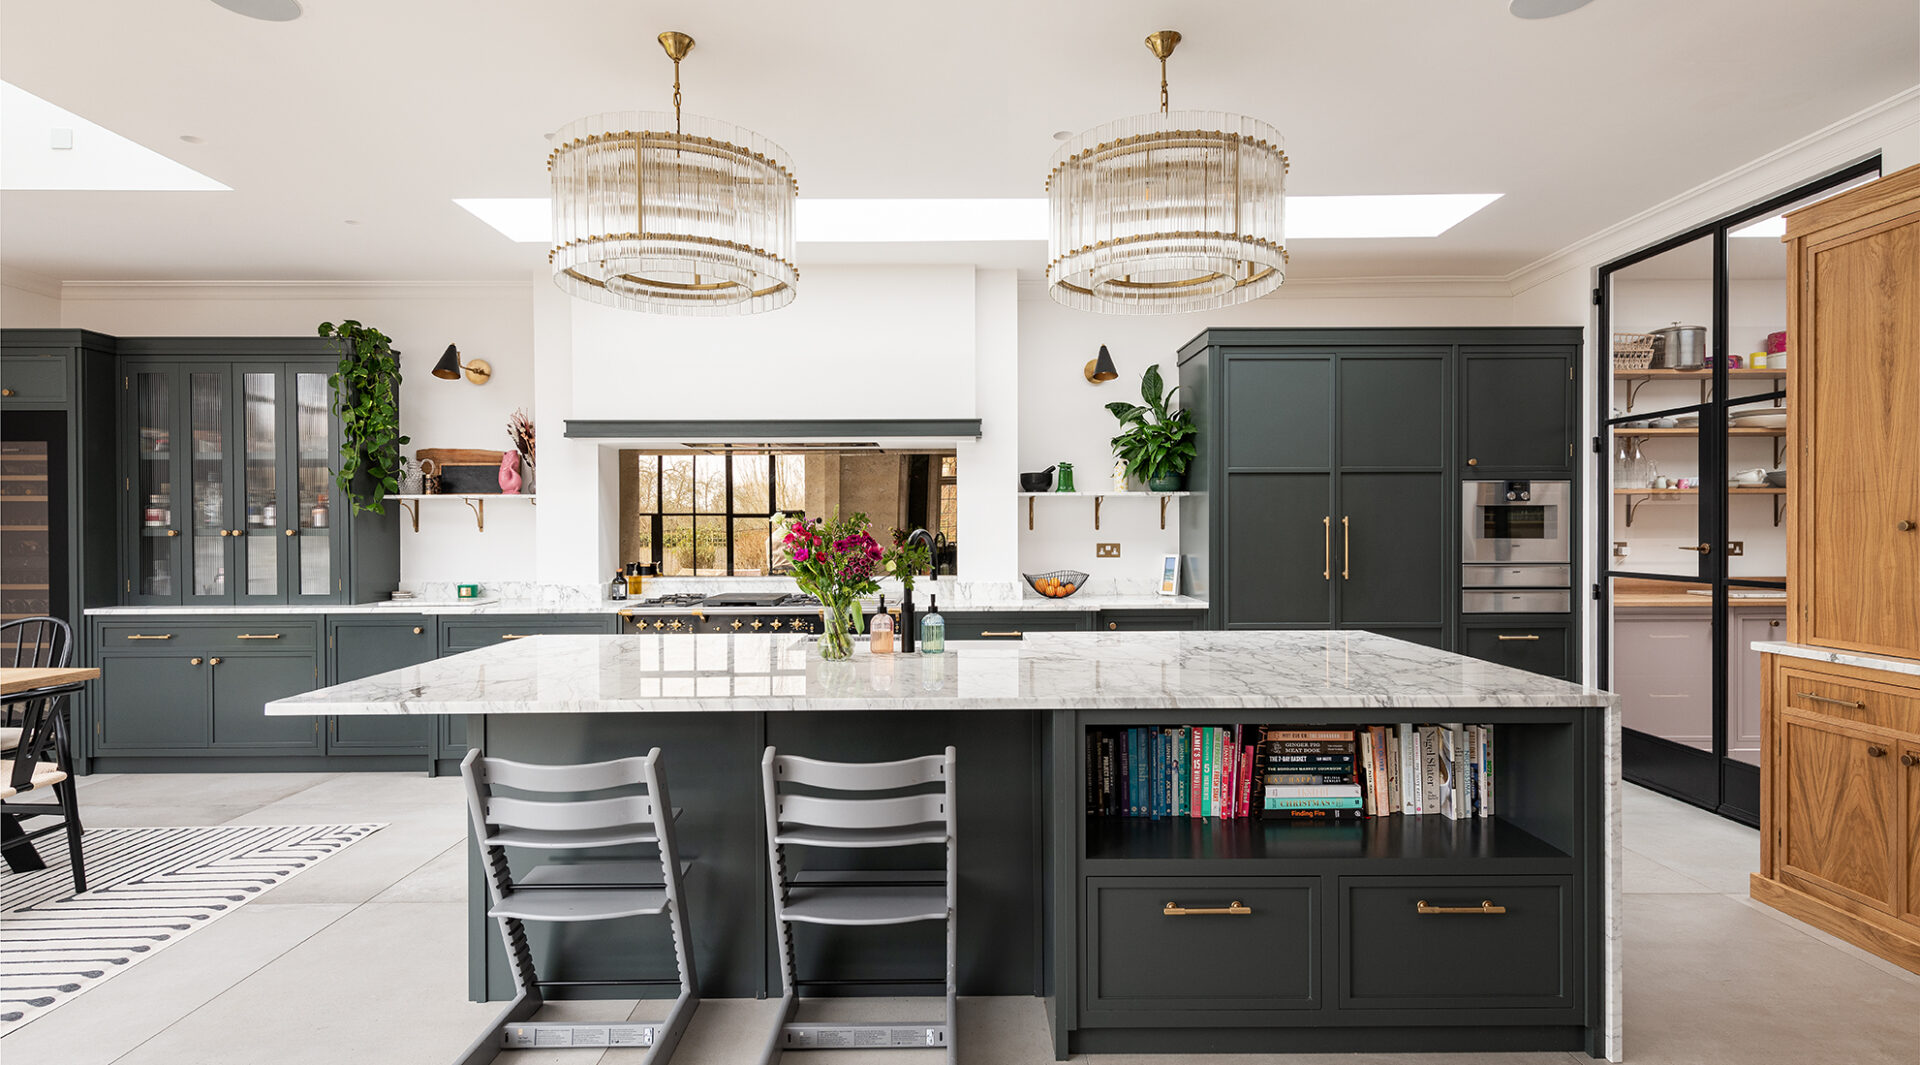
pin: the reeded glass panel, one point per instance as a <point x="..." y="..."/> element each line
<point x="153" y="402"/>
<point x="314" y="518"/>
<point x="212" y="520"/>
<point x="260" y="476"/>
<point x="26" y="540"/>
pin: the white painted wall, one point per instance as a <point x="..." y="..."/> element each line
<point x="489" y="321"/>
<point x="1063" y="417"/>
<point x="28" y="302"/>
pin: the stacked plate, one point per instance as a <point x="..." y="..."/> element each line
<point x="1759" y="418"/>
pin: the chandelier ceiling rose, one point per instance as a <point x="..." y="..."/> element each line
<point x="672" y="214"/>
<point x="1168" y="212"/>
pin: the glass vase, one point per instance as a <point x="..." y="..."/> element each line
<point x="837" y="626"/>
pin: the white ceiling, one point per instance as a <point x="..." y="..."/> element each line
<point x="383" y="112"/>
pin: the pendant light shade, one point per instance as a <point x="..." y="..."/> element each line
<point x="1168" y="212"/>
<point x="672" y="213"/>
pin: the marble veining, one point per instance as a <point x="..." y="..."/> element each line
<point x="511" y="600"/>
<point x="1045" y="671"/>
<point x="1862" y="659"/>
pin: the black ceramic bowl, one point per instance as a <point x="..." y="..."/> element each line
<point x="1036" y="482"/>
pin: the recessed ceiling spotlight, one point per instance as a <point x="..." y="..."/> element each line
<point x="191" y="139"/>
<point x="264" y="10"/>
<point x="1063" y="134"/>
<point x="1535" y="8"/>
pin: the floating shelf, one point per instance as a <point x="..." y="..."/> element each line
<point x="1688" y="430"/>
<point x="1779" y="503"/>
<point x="1097" y="498"/>
<point x="1664" y="374"/>
<point x="475" y="501"/>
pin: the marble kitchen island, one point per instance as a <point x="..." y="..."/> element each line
<point x="1058" y="902"/>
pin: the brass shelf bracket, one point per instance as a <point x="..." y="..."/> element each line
<point x="479" y="508"/>
<point x="1097" y="500"/>
<point x="1029" y="513"/>
<point x="412" y="507"/>
<point x="1163" y="511"/>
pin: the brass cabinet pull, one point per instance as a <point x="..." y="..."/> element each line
<point x="6" y="392"/>
<point x="1851" y="704"/>
<point x="1485" y="907"/>
<point x="1904" y="526"/>
<point x="238" y="532"/>
<point x="1473" y="462"/>
<point x="1113" y="624"/>
<point x="1504" y="636"/>
<point x="417" y="630"/>
<point x="290" y="532"/>
<point x="194" y="661"/>
<point x="1874" y="750"/>
<point x="515" y="635"/>
<point x="1014" y="633"/>
<point x="1231" y="909"/>
<point x="213" y="661"/>
<point x="161" y="636"/>
<point x="1346" y="548"/>
<point x="258" y="636"/>
<point x="1909" y="760"/>
<point x="226" y="532"/>
<point x="173" y="532"/>
<point x="1326" y="561"/>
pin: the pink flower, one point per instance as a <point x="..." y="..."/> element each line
<point x="800" y="554"/>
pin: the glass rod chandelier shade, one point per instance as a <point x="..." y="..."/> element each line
<point x="1169" y="212"/>
<point x="672" y="214"/>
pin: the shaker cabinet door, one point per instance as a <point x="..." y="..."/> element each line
<point x="1842" y="809"/>
<point x="152" y="703"/>
<point x="1518" y="413"/>
<point x="243" y="685"/>
<point x="362" y="649"/>
<point x="1390" y="550"/>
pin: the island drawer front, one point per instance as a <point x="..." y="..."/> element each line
<point x="35" y="379"/>
<point x="1012" y="625"/>
<point x="1848" y="700"/>
<point x="1140" y="960"/>
<point x="1150" y="621"/>
<point x="173" y="637"/>
<point x="1543" y="647"/>
<point x="1395" y="956"/>
<point x="465" y="634"/>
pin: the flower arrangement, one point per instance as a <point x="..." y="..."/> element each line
<point x="836" y="561"/>
<point x="906" y="561"/>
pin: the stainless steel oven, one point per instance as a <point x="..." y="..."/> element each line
<point x="1515" y="521"/>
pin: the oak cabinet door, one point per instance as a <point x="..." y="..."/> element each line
<point x="1843" y="811"/>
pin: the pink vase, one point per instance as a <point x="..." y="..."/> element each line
<point x="510" y="473"/>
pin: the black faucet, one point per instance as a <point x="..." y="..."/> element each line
<point x="906" y="633"/>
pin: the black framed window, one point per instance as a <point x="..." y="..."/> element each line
<point x="708" y="515"/>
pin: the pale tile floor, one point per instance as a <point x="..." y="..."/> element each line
<point x="362" y="958"/>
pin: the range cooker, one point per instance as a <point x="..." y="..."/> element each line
<point x="728" y="612"/>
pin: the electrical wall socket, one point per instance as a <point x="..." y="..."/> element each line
<point x="1736" y="547"/>
<point x="1106" y="550"/>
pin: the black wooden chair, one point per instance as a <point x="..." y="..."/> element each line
<point x="35" y="753"/>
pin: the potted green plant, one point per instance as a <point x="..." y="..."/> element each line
<point x="366" y="395"/>
<point x="1155" y="443"/>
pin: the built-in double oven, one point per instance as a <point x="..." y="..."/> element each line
<point x="1516" y="543"/>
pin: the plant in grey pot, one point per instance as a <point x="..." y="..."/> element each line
<point x="1155" y="443"/>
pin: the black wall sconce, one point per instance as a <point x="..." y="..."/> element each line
<point x="1100" y="370"/>
<point x="479" y="371"/>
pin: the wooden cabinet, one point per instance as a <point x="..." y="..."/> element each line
<point x="1854" y="424"/>
<point x="1841" y="812"/>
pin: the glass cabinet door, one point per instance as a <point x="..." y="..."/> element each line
<point x="258" y="526"/>
<point x="156" y="558"/>
<point x="208" y="509"/>
<point x="312" y="491"/>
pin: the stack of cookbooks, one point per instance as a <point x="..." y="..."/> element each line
<point x="1376" y="770"/>
<point x="1310" y="773"/>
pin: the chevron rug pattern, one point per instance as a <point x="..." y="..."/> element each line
<point x="148" y="888"/>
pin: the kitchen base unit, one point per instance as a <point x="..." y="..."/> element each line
<point x="1175" y="935"/>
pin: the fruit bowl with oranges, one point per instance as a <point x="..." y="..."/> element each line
<point x="1058" y="584"/>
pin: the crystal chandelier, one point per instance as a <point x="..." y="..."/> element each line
<point x="672" y="214"/>
<point x="1157" y="214"/>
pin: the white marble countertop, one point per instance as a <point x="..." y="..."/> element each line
<point x="1045" y="671"/>
<point x="1842" y="658"/>
<point x="1082" y="603"/>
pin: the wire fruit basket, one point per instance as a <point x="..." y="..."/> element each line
<point x="1632" y="351"/>
<point x="1057" y="584"/>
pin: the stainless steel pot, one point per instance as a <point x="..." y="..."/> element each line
<point x="1680" y="347"/>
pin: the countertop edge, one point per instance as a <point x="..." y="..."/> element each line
<point x="1862" y="659"/>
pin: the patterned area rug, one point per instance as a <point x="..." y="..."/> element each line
<point x="147" y="888"/>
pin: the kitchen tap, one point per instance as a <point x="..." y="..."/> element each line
<point x="906" y="633"/>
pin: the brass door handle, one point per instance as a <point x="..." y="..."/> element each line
<point x="258" y="636"/>
<point x="1326" y="561"/>
<point x="173" y="532"/>
<point x="515" y="635"/>
<point x="161" y="636"/>
<point x="1874" y="750"/>
<point x="1346" y="548"/>
<point x="417" y="630"/>
<point x="1909" y="760"/>
<point x="1703" y="549"/>
<point x="1504" y="636"/>
<point x="1015" y="634"/>
<point x="194" y="661"/>
<point x="1851" y="704"/>
<point x="1485" y="907"/>
<point x="213" y="661"/>
<point x="290" y="532"/>
<point x="1231" y="909"/>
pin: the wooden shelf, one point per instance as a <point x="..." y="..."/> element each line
<point x="1688" y="375"/>
<point x="1689" y="430"/>
<point x="475" y="501"/>
<point x="1098" y="498"/>
<point x="1743" y="490"/>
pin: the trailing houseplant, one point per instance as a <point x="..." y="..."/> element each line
<point x="836" y="561"/>
<point x="1155" y="443"/>
<point x="366" y="396"/>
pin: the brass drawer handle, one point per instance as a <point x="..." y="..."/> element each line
<point x="1851" y="704"/>
<point x="1485" y="907"/>
<point x="162" y="636"/>
<point x="1876" y="751"/>
<point x="8" y="392"/>
<point x="417" y="630"/>
<point x="1113" y="625"/>
<point x="213" y="661"/>
<point x="515" y="635"/>
<point x="1231" y="909"/>
<point x="1504" y="636"/>
<point x="1015" y="634"/>
<point x="193" y="661"/>
<point x="257" y="636"/>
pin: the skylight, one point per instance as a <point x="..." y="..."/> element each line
<point x="1775" y="227"/>
<point x="527" y="220"/>
<point x="93" y="158"/>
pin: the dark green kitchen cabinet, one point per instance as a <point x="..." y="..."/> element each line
<point x="243" y="684"/>
<point x="1540" y="644"/>
<point x="149" y="704"/>
<point x="1518" y="411"/>
<point x="1391" y="550"/>
<point x="1150" y="620"/>
<point x="1278" y="542"/>
<point x="194" y="685"/>
<point x="470" y="632"/>
<point x="359" y="646"/>
<point x="1010" y="624"/>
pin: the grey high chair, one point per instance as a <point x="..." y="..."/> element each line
<point x="512" y="805"/>
<point x="917" y="810"/>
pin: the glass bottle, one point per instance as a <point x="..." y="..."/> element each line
<point x="1622" y="465"/>
<point x="635" y="583"/>
<point x="881" y="629"/>
<point x="1064" y="479"/>
<point x="933" y="630"/>
<point x="617" y="591"/>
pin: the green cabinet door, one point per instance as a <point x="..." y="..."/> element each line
<point x="150" y="703"/>
<point x="1390" y="550"/>
<point x="361" y="648"/>
<point x="243" y="685"/>
<point x="1280" y="545"/>
<point x="1517" y="412"/>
